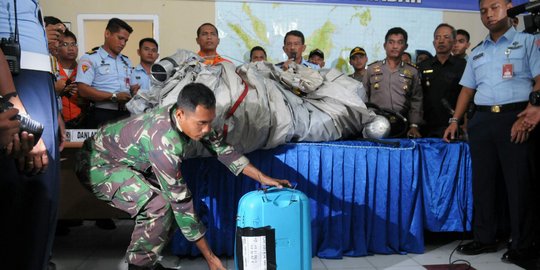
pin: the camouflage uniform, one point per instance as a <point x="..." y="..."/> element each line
<point x="399" y="90"/>
<point x="134" y="165"/>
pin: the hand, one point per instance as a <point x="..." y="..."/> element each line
<point x="71" y="88"/>
<point x="134" y="89"/>
<point x="531" y="117"/>
<point x="8" y="127"/>
<point x="59" y="87"/>
<point x="414" y="133"/>
<point x="214" y="263"/>
<point x="36" y="161"/>
<point x="519" y="134"/>
<point x="54" y="32"/>
<point x="123" y="97"/>
<point x="20" y="146"/>
<point x="269" y="181"/>
<point x="450" y="132"/>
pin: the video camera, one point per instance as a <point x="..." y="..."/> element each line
<point x="532" y="21"/>
<point x="27" y="124"/>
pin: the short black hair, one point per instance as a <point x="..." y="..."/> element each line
<point x="396" y="31"/>
<point x="295" y="33"/>
<point x="316" y="52"/>
<point x="406" y="53"/>
<point x="195" y="94"/>
<point x="148" y="39"/>
<point x="51" y="20"/>
<point x="70" y="34"/>
<point x="464" y="33"/>
<point x="256" y="48"/>
<point x="206" y="24"/>
<point x="115" y="25"/>
<point x="454" y="32"/>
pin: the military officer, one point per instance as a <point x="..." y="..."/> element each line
<point x="30" y="180"/>
<point x="103" y="75"/>
<point x="140" y="77"/>
<point x="440" y="81"/>
<point x="395" y="85"/>
<point x="500" y="76"/>
<point x="134" y="165"/>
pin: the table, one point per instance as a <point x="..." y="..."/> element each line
<point x="365" y="197"/>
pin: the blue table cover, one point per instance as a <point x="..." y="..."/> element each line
<point x="365" y="197"/>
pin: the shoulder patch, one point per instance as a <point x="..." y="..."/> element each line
<point x="480" y="43"/>
<point x="412" y="65"/>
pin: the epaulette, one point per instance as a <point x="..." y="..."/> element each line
<point x="374" y="62"/>
<point x="123" y="55"/>
<point x="481" y="42"/>
<point x="93" y="50"/>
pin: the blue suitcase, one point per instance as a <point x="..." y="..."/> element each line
<point x="273" y="231"/>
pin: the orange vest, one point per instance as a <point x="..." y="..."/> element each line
<point x="212" y="61"/>
<point x="70" y="109"/>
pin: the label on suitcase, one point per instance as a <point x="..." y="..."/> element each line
<point x="286" y="211"/>
<point x="256" y="248"/>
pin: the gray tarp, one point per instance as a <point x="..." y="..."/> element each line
<point x="330" y="105"/>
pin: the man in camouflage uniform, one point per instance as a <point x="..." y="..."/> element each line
<point x="395" y="85"/>
<point x="134" y="165"/>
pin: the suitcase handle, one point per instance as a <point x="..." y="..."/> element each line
<point x="280" y="203"/>
<point x="272" y="189"/>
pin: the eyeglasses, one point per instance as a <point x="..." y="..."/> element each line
<point x="66" y="44"/>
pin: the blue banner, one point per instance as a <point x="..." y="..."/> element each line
<point x="468" y="5"/>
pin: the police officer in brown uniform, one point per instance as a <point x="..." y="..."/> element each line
<point x="395" y="85"/>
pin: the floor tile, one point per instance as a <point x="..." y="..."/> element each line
<point x="348" y="263"/>
<point x="88" y="248"/>
<point x="381" y="261"/>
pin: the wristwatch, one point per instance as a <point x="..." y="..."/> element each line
<point x="114" y="98"/>
<point x="453" y="120"/>
<point x="534" y="98"/>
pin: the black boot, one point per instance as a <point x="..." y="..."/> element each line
<point x="158" y="266"/>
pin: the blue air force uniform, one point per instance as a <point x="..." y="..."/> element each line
<point x="140" y="77"/>
<point x="502" y="73"/>
<point x="106" y="73"/>
<point x="30" y="203"/>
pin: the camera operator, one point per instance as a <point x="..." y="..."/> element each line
<point x="29" y="183"/>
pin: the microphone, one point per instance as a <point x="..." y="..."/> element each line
<point x="293" y="56"/>
<point x="447" y="106"/>
<point x="527" y="7"/>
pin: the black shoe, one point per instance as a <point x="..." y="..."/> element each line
<point x="51" y="266"/>
<point x="158" y="266"/>
<point x="519" y="255"/>
<point x="105" y="224"/>
<point x="475" y="248"/>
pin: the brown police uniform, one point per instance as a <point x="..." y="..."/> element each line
<point x="399" y="90"/>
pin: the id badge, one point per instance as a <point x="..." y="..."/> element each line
<point x="508" y="71"/>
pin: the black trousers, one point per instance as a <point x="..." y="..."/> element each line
<point x="492" y="153"/>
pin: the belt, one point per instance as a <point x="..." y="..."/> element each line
<point x="502" y="108"/>
<point x="35" y="61"/>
